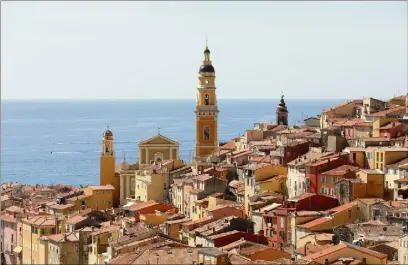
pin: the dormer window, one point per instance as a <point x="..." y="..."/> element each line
<point x="207" y="82"/>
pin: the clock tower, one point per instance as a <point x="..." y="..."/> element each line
<point x="206" y="111"/>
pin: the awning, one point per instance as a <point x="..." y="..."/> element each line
<point x="18" y="249"/>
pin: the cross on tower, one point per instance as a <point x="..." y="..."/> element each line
<point x="206" y="42"/>
<point x="158" y="130"/>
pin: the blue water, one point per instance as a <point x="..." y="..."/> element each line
<point x="72" y="130"/>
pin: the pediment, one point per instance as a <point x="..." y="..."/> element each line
<point x="158" y="140"/>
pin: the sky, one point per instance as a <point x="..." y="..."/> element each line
<point x="145" y="50"/>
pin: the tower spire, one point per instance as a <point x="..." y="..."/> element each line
<point x="206" y="42"/>
<point x="124" y="156"/>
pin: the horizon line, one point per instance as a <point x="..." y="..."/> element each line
<point x="141" y="99"/>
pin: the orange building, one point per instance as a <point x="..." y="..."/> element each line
<point x="108" y="175"/>
<point x="100" y="197"/>
<point x="327" y="179"/>
<point x="206" y="111"/>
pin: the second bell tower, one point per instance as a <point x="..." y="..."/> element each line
<point x="206" y="111"/>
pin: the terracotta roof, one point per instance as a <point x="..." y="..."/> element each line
<point x="370" y="201"/>
<point x="106" y="187"/>
<point x="41" y="220"/>
<point x="76" y="219"/>
<point x="333" y="212"/>
<point x="252" y="250"/>
<point x="61" y="206"/>
<point x="302" y="197"/>
<point x="241" y="153"/>
<point x="301" y="134"/>
<point x="229" y="146"/>
<point x="8" y="218"/>
<point x="403" y="180"/>
<point x="356" y="101"/>
<point x="341" y="246"/>
<point x="106" y="229"/>
<point x="68" y="237"/>
<point x="341" y="170"/>
<point x="401" y="162"/>
<point x="372" y="171"/>
<point x="399" y="110"/>
<point x="13" y="208"/>
<point x="363" y="124"/>
<point x="391" y="125"/>
<point x="236" y="183"/>
<point x="140" y="205"/>
<point x="203" y="177"/>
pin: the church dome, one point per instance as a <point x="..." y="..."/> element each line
<point x="206" y="68"/>
<point x="206" y="50"/>
<point x="124" y="165"/>
<point x="108" y="133"/>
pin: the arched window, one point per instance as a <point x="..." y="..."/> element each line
<point x="158" y="157"/>
<point x="206" y="132"/>
<point x="206" y="99"/>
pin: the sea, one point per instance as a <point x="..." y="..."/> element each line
<point x="59" y="141"/>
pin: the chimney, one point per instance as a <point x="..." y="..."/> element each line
<point x="65" y="237"/>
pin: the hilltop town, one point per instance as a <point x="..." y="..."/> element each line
<point x="331" y="191"/>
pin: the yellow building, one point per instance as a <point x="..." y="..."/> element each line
<point x="151" y="151"/>
<point x="365" y="212"/>
<point x="153" y="182"/>
<point x="100" y="197"/>
<point x="32" y="229"/>
<point x="64" y="249"/>
<point x="375" y="182"/>
<point x="357" y="155"/>
<point x="80" y="202"/>
<point x="363" y="130"/>
<point x="108" y="174"/>
<point x="264" y="177"/>
<point x="206" y="111"/>
<point x="346" y="213"/>
<point x="157" y="149"/>
<point x="100" y="243"/>
<point x="387" y="155"/>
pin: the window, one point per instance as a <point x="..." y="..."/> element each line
<point x="206" y="99"/>
<point x="323" y="179"/>
<point x="206" y="132"/>
<point x="322" y="190"/>
<point x="207" y="82"/>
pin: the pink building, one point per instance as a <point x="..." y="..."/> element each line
<point x="12" y="254"/>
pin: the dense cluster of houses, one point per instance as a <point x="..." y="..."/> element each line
<point x="332" y="191"/>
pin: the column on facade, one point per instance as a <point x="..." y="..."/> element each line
<point x="171" y="153"/>
<point x="128" y="187"/>
<point x="122" y="187"/>
<point x="147" y="156"/>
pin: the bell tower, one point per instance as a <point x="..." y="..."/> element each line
<point x="108" y="174"/>
<point x="282" y="112"/>
<point x="206" y="110"/>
